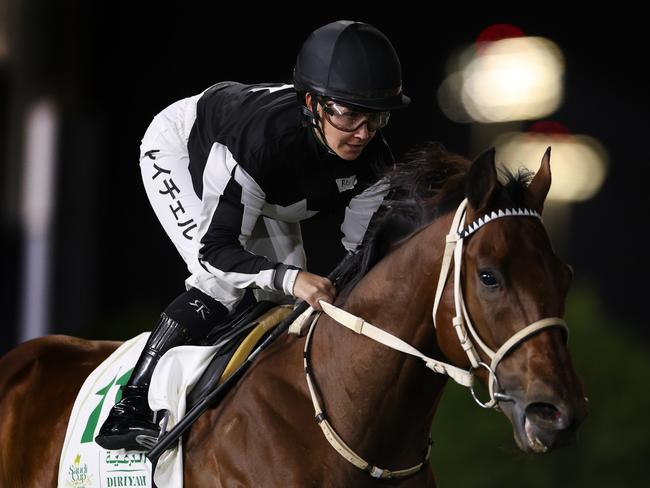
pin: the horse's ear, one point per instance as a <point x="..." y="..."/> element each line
<point x="541" y="184"/>
<point x="482" y="181"/>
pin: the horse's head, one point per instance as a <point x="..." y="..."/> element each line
<point x="511" y="278"/>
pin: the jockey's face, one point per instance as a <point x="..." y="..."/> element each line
<point x="346" y="145"/>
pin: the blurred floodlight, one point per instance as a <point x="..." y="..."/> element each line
<point x="449" y="100"/>
<point x="496" y="32"/>
<point x="578" y="163"/>
<point x="4" y="48"/>
<point x="514" y="79"/>
<point x="37" y="205"/>
<point x="39" y="166"/>
<point x="449" y="91"/>
<point x="510" y="79"/>
<point x="4" y="30"/>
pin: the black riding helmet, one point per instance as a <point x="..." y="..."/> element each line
<point x="352" y="63"/>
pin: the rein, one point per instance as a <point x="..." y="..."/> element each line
<point x="461" y="323"/>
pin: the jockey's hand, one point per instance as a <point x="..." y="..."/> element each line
<point x="311" y="288"/>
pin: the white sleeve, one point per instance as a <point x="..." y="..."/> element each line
<point x="359" y="212"/>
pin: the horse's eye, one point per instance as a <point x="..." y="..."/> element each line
<point x="487" y="278"/>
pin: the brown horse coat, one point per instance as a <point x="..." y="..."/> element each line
<point x="379" y="401"/>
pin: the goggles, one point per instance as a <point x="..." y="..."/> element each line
<point x="348" y="119"/>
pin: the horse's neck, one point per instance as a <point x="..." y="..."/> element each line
<point x="379" y="399"/>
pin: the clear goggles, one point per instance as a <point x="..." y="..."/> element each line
<point x="347" y="119"/>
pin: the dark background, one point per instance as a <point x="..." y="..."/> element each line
<point x="111" y="67"/>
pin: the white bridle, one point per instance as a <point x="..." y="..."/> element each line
<point x="461" y="323"/>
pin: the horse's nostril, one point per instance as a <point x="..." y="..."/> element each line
<point x="546" y="414"/>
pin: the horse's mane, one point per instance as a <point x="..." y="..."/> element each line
<point x="426" y="183"/>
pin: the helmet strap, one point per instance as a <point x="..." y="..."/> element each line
<point x="315" y="121"/>
<point x="385" y="142"/>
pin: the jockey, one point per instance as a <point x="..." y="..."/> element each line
<point x="232" y="171"/>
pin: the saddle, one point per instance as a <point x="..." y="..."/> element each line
<point x="236" y="339"/>
<point x="234" y="343"/>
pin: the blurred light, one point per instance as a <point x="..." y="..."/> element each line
<point x="6" y="19"/>
<point x="38" y="188"/>
<point x="36" y="209"/>
<point x="4" y="30"/>
<point x="514" y="79"/>
<point x="548" y="127"/>
<point x="450" y="89"/>
<point x="449" y="101"/>
<point x="497" y="32"/>
<point x="505" y="80"/>
<point x="578" y="163"/>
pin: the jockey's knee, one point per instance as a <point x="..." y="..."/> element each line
<point x="197" y="312"/>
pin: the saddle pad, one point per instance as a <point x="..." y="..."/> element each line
<point x="178" y="371"/>
<point x="84" y="464"/>
<point x="233" y="332"/>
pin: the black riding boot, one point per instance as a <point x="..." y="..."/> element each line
<point x="130" y="424"/>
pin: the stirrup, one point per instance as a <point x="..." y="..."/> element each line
<point x="148" y="441"/>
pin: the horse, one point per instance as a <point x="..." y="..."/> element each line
<point x="377" y="402"/>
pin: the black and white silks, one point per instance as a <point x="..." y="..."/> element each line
<point x="230" y="174"/>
